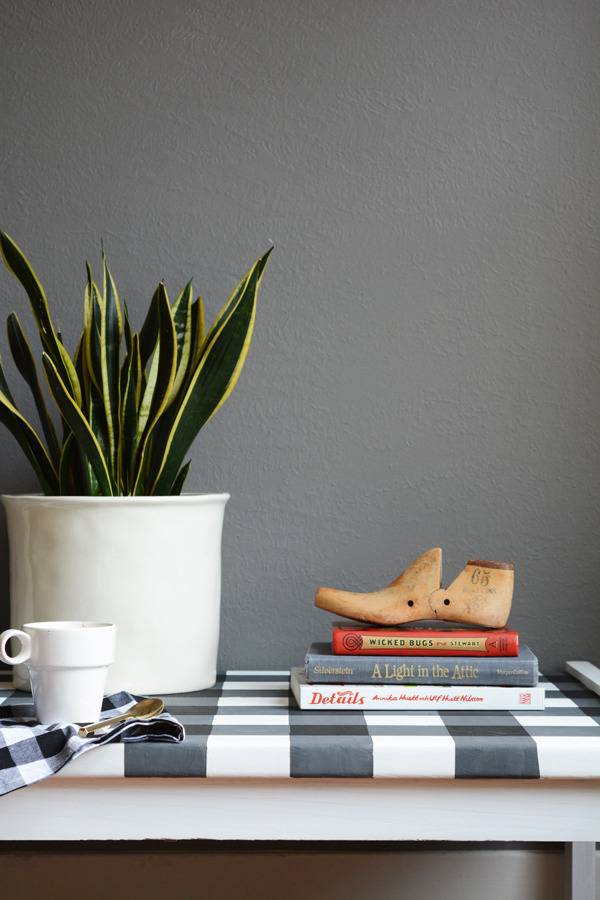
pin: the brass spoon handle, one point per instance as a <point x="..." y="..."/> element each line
<point x="143" y="709"/>
<point x="89" y="729"/>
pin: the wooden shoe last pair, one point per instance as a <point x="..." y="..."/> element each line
<point x="480" y="595"/>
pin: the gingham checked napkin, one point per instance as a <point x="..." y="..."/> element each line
<point x="30" y="752"/>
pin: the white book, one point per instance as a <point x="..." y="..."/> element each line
<point x="423" y="696"/>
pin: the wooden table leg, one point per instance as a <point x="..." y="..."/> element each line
<point x="580" y="859"/>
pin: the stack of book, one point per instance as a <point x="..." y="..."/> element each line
<point x="419" y="668"/>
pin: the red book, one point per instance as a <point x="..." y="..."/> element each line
<point x="374" y="641"/>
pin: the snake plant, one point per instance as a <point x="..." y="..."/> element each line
<point x="130" y="403"/>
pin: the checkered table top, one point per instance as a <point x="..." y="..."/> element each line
<point x="249" y="725"/>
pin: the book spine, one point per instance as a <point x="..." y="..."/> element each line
<point x="357" y="697"/>
<point x="491" y="671"/>
<point x="377" y="642"/>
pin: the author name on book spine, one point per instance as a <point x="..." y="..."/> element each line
<point x="355" y="698"/>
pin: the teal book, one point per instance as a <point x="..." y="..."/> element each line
<point x="324" y="667"/>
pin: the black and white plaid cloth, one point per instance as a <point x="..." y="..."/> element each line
<point x="30" y="752"/>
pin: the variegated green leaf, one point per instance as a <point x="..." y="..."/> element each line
<point x="97" y="422"/>
<point x="66" y="469"/>
<point x="213" y="381"/>
<point x="72" y="415"/>
<point x="198" y="337"/>
<point x="181" y="306"/>
<point x="180" y="479"/>
<point x="111" y="295"/>
<point x="183" y="321"/>
<point x="30" y="443"/>
<point x="19" y="265"/>
<point x="69" y="468"/>
<point x="231" y="303"/>
<point x="149" y="330"/>
<point x="162" y="374"/>
<point x="79" y="361"/>
<point x="162" y="369"/>
<point x="4" y="385"/>
<point x="129" y="407"/>
<point x="91" y="331"/>
<point x="93" y="357"/>
<point x="25" y="363"/>
<point x="127" y="329"/>
<point x="199" y="323"/>
<point x="110" y="342"/>
<point x="198" y="342"/>
<point x="92" y="344"/>
<point x="148" y="393"/>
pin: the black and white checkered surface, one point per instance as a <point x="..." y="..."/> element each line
<point x="30" y="752"/>
<point x="249" y="725"/>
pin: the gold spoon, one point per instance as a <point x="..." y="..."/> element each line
<point x="143" y="709"/>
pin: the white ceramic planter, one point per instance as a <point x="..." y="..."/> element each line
<point x="150" y="565"/>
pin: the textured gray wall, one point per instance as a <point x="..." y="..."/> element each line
<point x="425" y="366"/>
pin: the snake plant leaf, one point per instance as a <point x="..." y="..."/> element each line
<point x="73" y="417"/>
<point x="213" y="380"/>
<point x="183" y="321"/>
<point x="160" y="382"/>
<point x="66" y="469"/>
<point x="19" y="265"/>
<point x="149" y="330"/>
<point x="200" y="322"/>
<point x="91" y="329"/>
<point x="233" y="299"/>
<point x="93" y="357"/>
<point x="111" y="294"/>
<point x="110" y="342"/>
<point x="97" y="422"/>
<point x="128" y="333"/>
<point x="69" y="469"/>
<point x="199" y="329"/>
<point x="139" y="373"/>
<point x="94" y="340"/>
<point x="4" y="385"/>
<point x="250" y="290"/>
<point x="30" y="443"/>
<point x="129" y="406"/>
<point x="163" y="367"/>
<point x="79" y="361"/>
<point x="89" y="280"/>
<point x="180" y="479"/>
<point x="127" y="329"/>
<point x="198" y="337"/>
<point x="181" y="308"/>
<point x="148" y="393"/>
<point x="25" y="363"/>
<point x="78" y="356"/>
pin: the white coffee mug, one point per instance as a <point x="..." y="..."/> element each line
<point x="68" y="663"/>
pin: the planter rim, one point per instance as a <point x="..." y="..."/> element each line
<point x="168" y="500"/>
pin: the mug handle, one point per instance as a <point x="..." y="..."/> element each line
<point x="25" y="651"/>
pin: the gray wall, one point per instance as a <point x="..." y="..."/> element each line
<point x="425" y="366"/>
